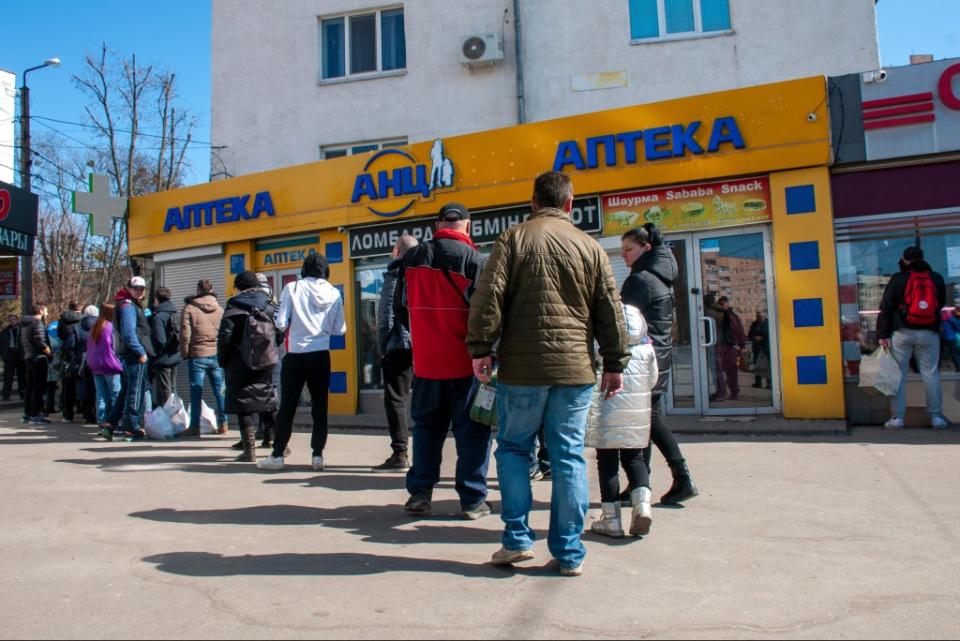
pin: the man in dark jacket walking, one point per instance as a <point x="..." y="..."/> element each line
<point x="12" y="354"/>
<point x="434" y="286"/>
<point x="396" y="360"/>
<point x="909" y="326"/>
<point x="165" y="334"/>
<point x="36" y="356"/>
<point x="68" y="331"/>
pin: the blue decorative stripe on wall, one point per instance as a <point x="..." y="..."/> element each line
<point x="808" y="312"/>
<point x="804" y="256"/>
<point x="338" y="342"/>
<point x="334" y="253"/>
<point x="801" y="199"/>
<point x="338" y="382"/>
<point x="812" y="370"/>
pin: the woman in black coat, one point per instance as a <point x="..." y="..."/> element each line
<point x="649" y="287"/>
<point x="249" y="391"/>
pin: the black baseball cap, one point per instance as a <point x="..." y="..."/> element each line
<point x="452" y="212"/>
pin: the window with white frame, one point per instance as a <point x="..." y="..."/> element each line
<point x="362" y="44"/>
<point x="350" y="149"/>
<point x="666" y="19"/>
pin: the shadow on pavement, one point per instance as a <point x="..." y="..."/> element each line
<point x="374" y="523"/>
<point x="204" y="564"/>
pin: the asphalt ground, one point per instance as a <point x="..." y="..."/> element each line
<point x="792" y="537"/>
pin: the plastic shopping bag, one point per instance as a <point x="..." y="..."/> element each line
<point x="880" y="373"/>
<point x="208" y="419"/>
<point x="177" y="412"/>
<point x="483" y="402"/>
<point x="158" y="425"/>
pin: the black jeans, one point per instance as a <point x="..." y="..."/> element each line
<point x="68" y="400"/>
<point x="36" y="386"/>
<point x="608" y="467"/>
<point x="397" y="379"/>
<point x="164" y="384"/>
<point x="662" y="437"/>
<point x="312" y="369"/>
<point x="13" y="367"/>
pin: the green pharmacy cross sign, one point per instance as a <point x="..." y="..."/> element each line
<point x="99" y="205"/>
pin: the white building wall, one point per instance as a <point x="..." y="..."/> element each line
<point x="270" y="110"/>
<point x="8" y="100"/>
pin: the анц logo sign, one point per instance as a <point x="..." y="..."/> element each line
<point x="412" y="180"/>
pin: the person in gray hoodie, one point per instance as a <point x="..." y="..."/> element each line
<point x="311" y="311"/>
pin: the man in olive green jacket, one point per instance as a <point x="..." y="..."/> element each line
<point x="547" y="292"/>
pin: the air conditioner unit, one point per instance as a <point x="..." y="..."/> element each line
<point x="481" y="49"/>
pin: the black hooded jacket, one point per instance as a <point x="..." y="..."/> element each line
<point x="649" y="287"/>
<point x="247" y="391"/>
<point x="33" y="337"/>
<point x="165" y="334"/>
<point x="68" y="331"/>
<point x="892" y="305"/>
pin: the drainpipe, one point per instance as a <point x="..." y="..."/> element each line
<point x="521" y="98"/>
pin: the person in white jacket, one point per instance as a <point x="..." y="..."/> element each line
<point x="620" y="430"/>
<point x="311" y="311"/>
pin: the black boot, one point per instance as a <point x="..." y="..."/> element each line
<point x="249" y="444"/>
<point x="238" y="445"/>
<point x="682" y="488"/>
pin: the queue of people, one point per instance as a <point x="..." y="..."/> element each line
<point x="577" y="364"/>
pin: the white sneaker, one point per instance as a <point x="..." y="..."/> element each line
<point x="939" y="423"/>
<point x="317" y="464"/>
<point x="894" y="423"/>
<point x="272" y="463"/>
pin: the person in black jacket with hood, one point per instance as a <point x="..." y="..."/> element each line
<point x="12" y="354"/>
<point x="249" y="391"/>
<point x="649" y="287"/>
<point x="165" y="334"/>
<point x="909" y="326"/>
<point x="68" y="331"/>
<point x="396" y="359"/>
<point x="36" y="355"/>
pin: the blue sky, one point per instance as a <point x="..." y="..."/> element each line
<point x="175" y="35"/>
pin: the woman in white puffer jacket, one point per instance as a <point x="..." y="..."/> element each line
<point x="620" y="430"/>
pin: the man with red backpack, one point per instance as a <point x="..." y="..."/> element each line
<point x="909" y="325"/>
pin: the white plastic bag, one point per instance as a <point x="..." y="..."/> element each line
<point x="208" y="419"/>
<point x="158" y="425"/>
<point x="880" y="373"/>
<point x="177" y="412"/>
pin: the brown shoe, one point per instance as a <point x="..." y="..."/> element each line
<point x="224" y="428"/>
<point x="190" y="432"/>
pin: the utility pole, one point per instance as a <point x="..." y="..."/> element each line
<point x="26" y="277"/>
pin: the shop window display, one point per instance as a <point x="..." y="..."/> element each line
<point x="866" y="261"/>
<point x="369" y="284"/>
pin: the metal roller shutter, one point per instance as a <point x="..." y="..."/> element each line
<point x="620" y="269"/>
<point x="181" y="277"/>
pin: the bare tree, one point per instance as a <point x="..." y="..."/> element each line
<point x="141" y="141"/>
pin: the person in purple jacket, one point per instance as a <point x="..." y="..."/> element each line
<point x="106" y="368"/>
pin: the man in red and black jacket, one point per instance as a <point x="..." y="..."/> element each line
<point x="432" y="299"/>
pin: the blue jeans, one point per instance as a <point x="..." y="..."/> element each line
<point x="132" y="403"/>
<point x="437" y="406"/>
<point x="198" y="368"/>
<point x="562" y="410"/>
<point x="108" y="389"/>
<point x="924" y="346"/>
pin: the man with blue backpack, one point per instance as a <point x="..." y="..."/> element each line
<point x="909" y="326"/>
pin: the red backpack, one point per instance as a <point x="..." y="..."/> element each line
<point x="920" y="300"/>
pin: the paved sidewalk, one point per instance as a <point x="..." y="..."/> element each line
<point x="808" y="537"/>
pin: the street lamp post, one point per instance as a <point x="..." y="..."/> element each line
<point x="26" y="278"/>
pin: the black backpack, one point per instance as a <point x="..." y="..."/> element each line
<point x="258" y="345"/>
<point x="171" y="330"/>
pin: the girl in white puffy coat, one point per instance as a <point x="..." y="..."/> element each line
<point x="620" y="430"/>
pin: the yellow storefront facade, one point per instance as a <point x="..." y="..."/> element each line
<point x="737" y="180"/>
